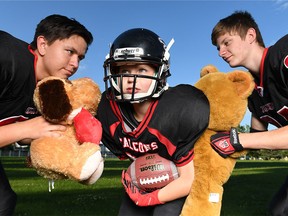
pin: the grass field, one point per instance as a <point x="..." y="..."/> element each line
<point x="247" y="192"/>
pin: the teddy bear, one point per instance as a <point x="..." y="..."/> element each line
<point x="227" y="94"/>
<point x="76" y="154"/>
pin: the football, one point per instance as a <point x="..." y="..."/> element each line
<point x="151" y="172"/>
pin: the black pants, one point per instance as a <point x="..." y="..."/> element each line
<point x="279" y="203"/>
<point x="8" y="197"/>
<point x="128" y="208"/>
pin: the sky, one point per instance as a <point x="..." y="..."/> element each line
<point x="189" y="22"/>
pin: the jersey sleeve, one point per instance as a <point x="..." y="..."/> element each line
<point x="194" y="121"/>
<point x="278" y="60"/>
<point x="187" y="116"/>
<point x="17" y="80"/>
<point x="108" y="120"/>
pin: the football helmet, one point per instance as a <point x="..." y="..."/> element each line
<point x="131" y="47"/>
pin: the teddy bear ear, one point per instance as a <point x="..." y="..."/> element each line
<point x="86" y="93"/>
<point x="208" y="69"/>
<point x="243" y="81"/>
<point x="54" y="102"/>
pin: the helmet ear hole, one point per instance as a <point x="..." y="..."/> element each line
<point x="137" y="46"/>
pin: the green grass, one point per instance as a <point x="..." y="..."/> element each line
<point x="68" y="197"/>
<point x="251" y="187"/>
<point x="247" y="192"/>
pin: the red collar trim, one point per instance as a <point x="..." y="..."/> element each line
<point x="35" y="60"/>
<point x="262" y="66"/>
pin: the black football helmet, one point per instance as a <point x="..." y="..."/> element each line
<point x="137" y="46"/>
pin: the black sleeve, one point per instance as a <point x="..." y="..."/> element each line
<point x="182" y="118"/>
<point x="107" y="118"/>
<point x="194" y="121"/>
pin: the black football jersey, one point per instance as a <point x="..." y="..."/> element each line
<point x="269" y="100"/>
<point x="170" y="127"/>
<point x="17" y="80"/>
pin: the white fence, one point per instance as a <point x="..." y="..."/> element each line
<point x="14" y="153"/>
<point x="23" y="152"/>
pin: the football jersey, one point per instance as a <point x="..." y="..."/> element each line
<point x="17" y="80"/>
<point x="269" y="100"/>
<point x="171" y="126"/>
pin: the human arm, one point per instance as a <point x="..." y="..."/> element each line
<point x="28" y="130"/>
<point x="181" y="186"/>
<point x="262" y="139"/>
<point x="276" y="139"/>
<point x="178" y="188"/>
<point x="257" y="124"/>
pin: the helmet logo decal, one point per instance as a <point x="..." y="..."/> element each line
<point x="137" y="51"/>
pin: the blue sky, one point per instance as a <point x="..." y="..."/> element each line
<point x="188" y="22"/>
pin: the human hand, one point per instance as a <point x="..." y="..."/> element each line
<point x="38" y="127"/>
<point x="226" y="143"/>
<point x="87" y="127"/>
<point x="139" y="197"/>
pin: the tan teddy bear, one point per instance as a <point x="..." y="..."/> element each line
<point x="227" y="94"/>
<point x="76" y="153"/>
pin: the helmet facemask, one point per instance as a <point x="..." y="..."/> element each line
<point x="114" y="85"/>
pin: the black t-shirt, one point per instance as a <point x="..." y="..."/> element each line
<point x="269" y="100"/>
<point x="17" y="80"/>
<point x="170" y="127"/>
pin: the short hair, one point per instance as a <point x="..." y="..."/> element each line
<point x="238" y="22"/>
<point x="60" y="27"/>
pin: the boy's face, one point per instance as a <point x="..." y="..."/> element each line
<point x="61" y="58"/>
<point x="233" y="49"/>
<point x="136" y="83"/>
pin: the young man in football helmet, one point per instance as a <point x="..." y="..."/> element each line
<point x="239" y="42"/>
<point x="141" y="114"/>
<point x="58" y="46"/>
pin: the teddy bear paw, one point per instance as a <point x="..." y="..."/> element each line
<point x="91" y="165"/>
<point x="96" y="175"/>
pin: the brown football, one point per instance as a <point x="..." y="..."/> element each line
<point x="151" y="172"/>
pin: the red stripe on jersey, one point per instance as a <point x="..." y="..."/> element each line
<point x="113" y="128"/>
<point x="262" y="66"/>
<point x="35" y="60"/>
<point x="172" y="148"/>
<point x="144" y="123"/>
<point x="12" y="119"/>
<point x="169" y="146"/>
<point x="185" y="160"/>
<point x="116" y="110"/>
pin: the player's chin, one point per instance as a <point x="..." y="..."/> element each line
<point x="61" y="74"/>
<point x="65" y="75"/>
<point x="232" y="63"/>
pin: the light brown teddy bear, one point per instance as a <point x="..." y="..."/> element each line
<point x="227" y="94"/>
<point x="76" y="153"/>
